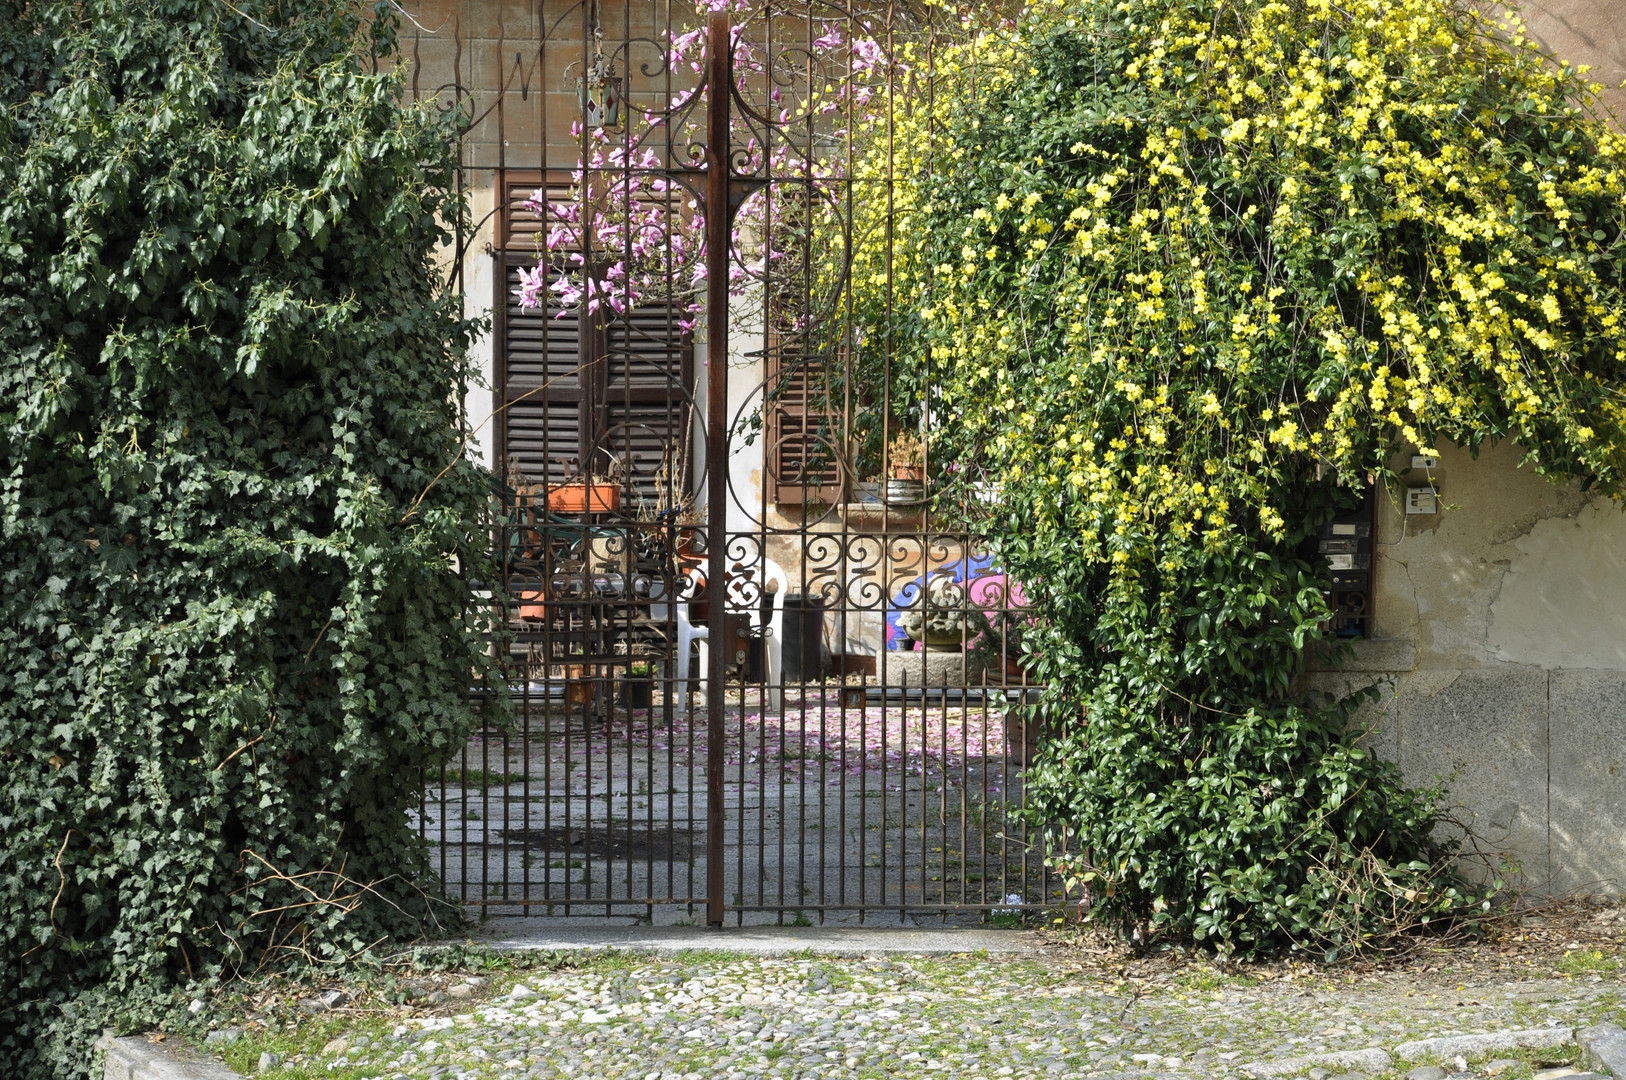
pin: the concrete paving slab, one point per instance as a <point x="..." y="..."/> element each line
<point x="524" y="934"/>
<point x="1604" y="1047"/>
<point x="136" y="1058"/>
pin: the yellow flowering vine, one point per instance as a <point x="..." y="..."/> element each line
<point x="1181" y="276"/>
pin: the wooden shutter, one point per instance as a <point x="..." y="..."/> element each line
<point x="546" y="383"/>
<point x="805" y="436"/>
<point x="646" y="417"/>
<point x="544" y="427"/>
<point x="518" y="225"/>
<point x="585" y="391"/>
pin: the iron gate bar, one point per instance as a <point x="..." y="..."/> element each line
<point x="719" y="83"/>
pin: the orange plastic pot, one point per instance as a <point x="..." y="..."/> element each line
<point x="584" y="498"/>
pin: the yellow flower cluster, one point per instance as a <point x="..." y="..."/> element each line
<point x="1166" y="265"/>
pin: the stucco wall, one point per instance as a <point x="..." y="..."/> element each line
<point x="1500" y="649"/>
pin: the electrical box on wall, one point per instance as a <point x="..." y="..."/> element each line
<point x="1343" y="549"/>
<point x="1422" y="500"/>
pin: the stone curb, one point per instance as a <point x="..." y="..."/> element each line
<point x="135" y="1058"/>
<point x="1603" y="1046"/>
<point x="1373" y="1059"/>
<point x="764" y="941"/>
<point x="1470" y="1045"/>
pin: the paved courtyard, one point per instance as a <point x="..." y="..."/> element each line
<point x="829" y="805"/>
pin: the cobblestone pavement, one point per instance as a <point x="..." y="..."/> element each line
<point x="716" y="1016"/>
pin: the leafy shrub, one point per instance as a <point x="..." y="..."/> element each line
<point x="234" y="623"/>
<point x="1184" y="275"/>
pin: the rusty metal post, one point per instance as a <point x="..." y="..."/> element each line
<point x="719" y="80"/>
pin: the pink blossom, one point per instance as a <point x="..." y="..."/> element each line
<point x="654" y="245"/>
<point x="866" y="53"/>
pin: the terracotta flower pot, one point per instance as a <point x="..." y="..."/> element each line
<point x="1022" y="734"/>
<point x="583" y="498"/>
<point x="530" y="606"/>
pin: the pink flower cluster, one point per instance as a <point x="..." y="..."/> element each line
<point x="631" y="235"/>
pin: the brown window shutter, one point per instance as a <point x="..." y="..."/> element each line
<point x="543" y="392"/>
<point x="601" y="394"/>
<point x="544" y="429"/>
<point x="804" y="436"/>
<point x="646" y="399"/>
<point x="517" y="225"/>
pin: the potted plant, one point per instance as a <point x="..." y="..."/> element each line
<point x="595" y="496"/>
<point x="523" y="540"/>
<point x="599" y="493"/>
<point x="638" y="685"/>
<point x="906" y="469"/>
<point x="674" y="522"/>
<point x="1025" y="729"/>
<point x="995" y="638"/>
<point x="906" y="457"/>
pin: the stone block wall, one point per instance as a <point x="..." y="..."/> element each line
<point x="516" y="63"/>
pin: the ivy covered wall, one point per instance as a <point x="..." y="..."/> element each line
<point x="235" y="532"/>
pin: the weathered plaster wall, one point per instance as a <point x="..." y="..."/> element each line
<point x="1563" y="567"/>
<point x="1501" y="654"/>
<point x="1501" y="621"/>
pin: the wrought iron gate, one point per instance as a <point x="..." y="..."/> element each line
<point x="853" y="739"/>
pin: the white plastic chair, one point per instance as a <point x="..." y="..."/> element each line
<point x="743" y="589"/>
<point x="687" y="631"/>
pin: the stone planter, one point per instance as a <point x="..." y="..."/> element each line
<point x="939" y="667"/>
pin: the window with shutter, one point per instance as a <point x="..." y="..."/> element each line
<point x="646" y="417"/>
<point x="546" y="384"/>
<point x="604" y="394"/>
<point x="802" y="419"/>
<point x="541" y="356"/>
<point x="806" y="436"/>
